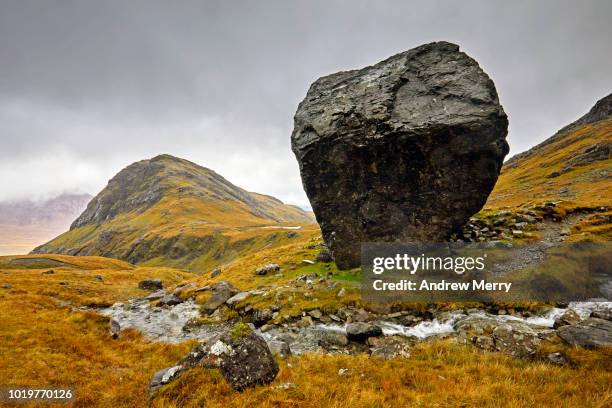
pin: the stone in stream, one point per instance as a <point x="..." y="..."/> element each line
<point x="404" y="150"/>
<point x="360" y="331"/>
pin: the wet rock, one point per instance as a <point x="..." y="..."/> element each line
<point x="221" y="292"/>
<point x="416" y="142"/>
<point x="360" y="331"/>
<point x="170" y="300"/>
<point x="164" y="376"/>
<point x="569" y="317"/>
<point x="264" y="270"/>
<point x="589" y="333"/>
<point x="389" y="347"/>
<point x="150" y="284"/>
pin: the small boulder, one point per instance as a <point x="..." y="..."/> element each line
<point x="605" y="314"/>
<point x="215" y="272"/>
<point x="156" y="295"/>
<point x="114" y="328"/>
<point x="360" y="331"/>
<point x="221" y="292"/>
<point x="150" y="284"/>
<point x="332" y="340"/>
<point x="246" y="360"/>
<point x="269" y="268"/>
<point x="556" y="358"/>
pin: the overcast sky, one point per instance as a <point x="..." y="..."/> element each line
<point x="87" y="87"/>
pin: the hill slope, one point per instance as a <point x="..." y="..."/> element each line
<point x="574" y="165"/>
<point x="171" y="211"/>
<point x="25" y="223"/>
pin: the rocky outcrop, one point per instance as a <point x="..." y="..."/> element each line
<point x="405" y="150"/>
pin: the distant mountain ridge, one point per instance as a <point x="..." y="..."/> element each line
<point x="26" y="223"/>
<point x="575" y="165"/>
<point x="170" y="211"/>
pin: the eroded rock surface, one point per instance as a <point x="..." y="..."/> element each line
<point x="404" y="150"/>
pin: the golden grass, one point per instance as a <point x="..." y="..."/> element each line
<point x="527" y="182"/>
<point x="438" y="374"/>
<point x="43" y="342"/>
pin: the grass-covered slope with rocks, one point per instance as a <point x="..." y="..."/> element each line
<point x="172" y="212"/>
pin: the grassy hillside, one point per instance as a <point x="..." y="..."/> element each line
<point x="169" y="211"/>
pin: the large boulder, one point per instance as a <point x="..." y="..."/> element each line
<point x="404" y="150"/>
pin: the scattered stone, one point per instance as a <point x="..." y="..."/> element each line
<point x="99" y="278"/>
<point x="341" y="292"/>
<point x="556" y="358"/>
<point x="221" y="292"/>
<point x="164" y="376"/>
<point x="286" y="386"/>
<point x="316" y="314"/>
<point x="150" y="284"/>
<point x="6" y="286"/>
<point x="48" y="272"/>
<point x="589" y="333"/>
<point x="182" y="288"/>
<point x="262" y="316"/>
<point x="239" y="297"/>
<point x="215" y="272"/>
<point x="389" y="347"/>
<point x="114" y="328"/>
<point x="264" y="270"/>
<point x="343" y="371"/>
<point x="360" y="331"/>
<point x="416" y="142"/>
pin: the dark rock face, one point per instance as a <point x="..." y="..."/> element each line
<point x="405" y="150"/>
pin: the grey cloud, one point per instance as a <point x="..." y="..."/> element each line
<point x="86" y="87"/>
